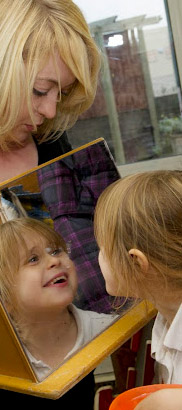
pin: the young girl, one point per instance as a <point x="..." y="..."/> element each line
<point x="138" y="227"/>
<point x="38" y="283"/>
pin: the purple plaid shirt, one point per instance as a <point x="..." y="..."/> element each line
<point x="70" y="188"/>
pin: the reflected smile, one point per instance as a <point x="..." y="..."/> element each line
<point x="60" y="280"/>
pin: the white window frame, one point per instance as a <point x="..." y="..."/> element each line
<point x="175" y="14"/>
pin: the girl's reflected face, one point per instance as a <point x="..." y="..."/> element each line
<point x="46" y="281"/>
<point x="45" y="96"/>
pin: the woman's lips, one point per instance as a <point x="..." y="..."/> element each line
<point x="29" y="127"/>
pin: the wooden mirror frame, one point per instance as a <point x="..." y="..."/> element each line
<point x="15" y="371"/>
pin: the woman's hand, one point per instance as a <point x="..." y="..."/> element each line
<point x="165" y="399"/>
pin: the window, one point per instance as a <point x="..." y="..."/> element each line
<point x="138" y="100"/>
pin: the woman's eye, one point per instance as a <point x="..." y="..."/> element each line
<point x="65" y="93"/>
<point x="39" y="93"/>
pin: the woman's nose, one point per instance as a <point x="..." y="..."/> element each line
<point x="47" y="108"/>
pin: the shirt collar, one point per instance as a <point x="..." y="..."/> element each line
<point x="173" y="337"/>
<point x="168" y="336"/>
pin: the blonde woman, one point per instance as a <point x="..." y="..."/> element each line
<point x="49" y="67"/>
<point x="138" y="227"/>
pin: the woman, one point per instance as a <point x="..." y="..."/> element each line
<point x="49" y="67"/>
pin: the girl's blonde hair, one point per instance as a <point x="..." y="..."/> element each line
<point x="31" y="32"/>
<point x="12" y="237"/>
<point x="143" y="211"/>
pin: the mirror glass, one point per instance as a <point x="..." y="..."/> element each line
<point x="63" y="195"/>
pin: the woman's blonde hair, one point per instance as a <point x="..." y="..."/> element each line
<point x="143" y="211"/>
<point x="31" y="32"/>
<point x="12" y="237"/>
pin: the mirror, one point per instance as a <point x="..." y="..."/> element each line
<point x="63" y="194"/>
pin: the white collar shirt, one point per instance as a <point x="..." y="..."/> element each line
<point x="89" y="325"/>
<point x="166" y="349"/>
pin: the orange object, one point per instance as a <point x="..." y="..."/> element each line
<point x="130" y="398"/>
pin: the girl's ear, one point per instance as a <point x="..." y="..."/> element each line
<point x="140" y="258"/>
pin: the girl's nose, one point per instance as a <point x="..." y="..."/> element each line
<point x="53" y="261"/>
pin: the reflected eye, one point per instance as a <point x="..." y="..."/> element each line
<point x="33" y="259"/>
<point x="55" y="251"/>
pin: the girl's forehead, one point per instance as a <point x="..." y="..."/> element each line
<point x="32" y="240"/>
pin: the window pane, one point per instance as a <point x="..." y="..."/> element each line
<point x="137" y="105"/>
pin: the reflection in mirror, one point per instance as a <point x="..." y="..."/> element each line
<point x="51" y="282"/>
<point x="70" y="189"/>
<point x="38" y="285"/>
